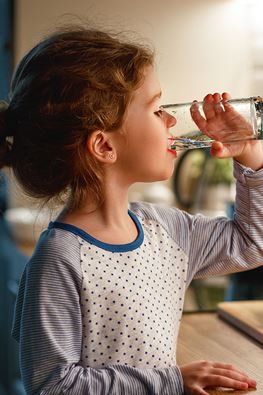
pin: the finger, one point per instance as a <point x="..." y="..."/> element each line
<point x="228" y="107"/>
<point x="225" y="150"/>
<point x="219" y="150"/>
<point x="229" y="366"/>
<point x="222" y="153"/>
<point x="198" y="391"/>
<point x="209" y="107"/>
<point x="226" y="382"/>
<point x="226" y="96"/>
<point x="233" y="374"/>
<point x="218" y="105"/>
<point x="197" y="117"/>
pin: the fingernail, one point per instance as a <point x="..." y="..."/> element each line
<point x="194" y="106"/>
<point x="252" y="383"/>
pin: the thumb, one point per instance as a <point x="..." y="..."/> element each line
<point x="220" y="150"/>
<point x="198" y="390"/>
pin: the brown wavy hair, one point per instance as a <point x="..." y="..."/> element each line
<point x="73" y="82"/>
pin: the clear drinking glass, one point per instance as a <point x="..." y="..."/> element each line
<point x="248" y="124"/>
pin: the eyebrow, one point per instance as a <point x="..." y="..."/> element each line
<point x="157" y="96"/>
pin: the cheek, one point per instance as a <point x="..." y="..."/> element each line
<point x="154" y="142"/>
<point x="151" y="153"/>
<point x="157" y="152"/>
<point x="148" y="141"/>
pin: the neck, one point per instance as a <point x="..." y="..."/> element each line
<point x="113" y="208"/>
<point x="109" y="222"/>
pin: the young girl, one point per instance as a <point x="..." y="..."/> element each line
<point x="101" y="299"/>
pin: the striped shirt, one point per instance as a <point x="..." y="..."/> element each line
<point x="97" y="318"/>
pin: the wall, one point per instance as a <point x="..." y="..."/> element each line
<point x="202" y="46"/>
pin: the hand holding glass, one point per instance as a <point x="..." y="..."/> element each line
<point x="198" y="124"/>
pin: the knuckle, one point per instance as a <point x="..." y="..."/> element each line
<point x="221" y="381"/>
<point x="195" y="390"/>
<point x="207" y="379"/>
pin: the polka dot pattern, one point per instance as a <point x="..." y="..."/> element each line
<point x="132" y="301"/>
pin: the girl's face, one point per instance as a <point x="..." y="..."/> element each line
<point x="144" y="156"/>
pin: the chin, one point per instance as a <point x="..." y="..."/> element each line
<point x="162" y="177"/>
<point x="168" y="174"/>
<point x="157" y="175"/>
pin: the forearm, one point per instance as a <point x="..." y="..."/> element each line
<point x="221" y="246"/>
<point x="115" y="380"/>
<point x="249" y="212"/>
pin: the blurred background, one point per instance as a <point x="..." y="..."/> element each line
<point x="201" y="46"/>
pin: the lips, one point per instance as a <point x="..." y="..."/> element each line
<point x="172" y="151"/>
<point x="170" y="141"/>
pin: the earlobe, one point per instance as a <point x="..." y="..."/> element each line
<point x="111" y="156"/>
<point x="100" y="147"/>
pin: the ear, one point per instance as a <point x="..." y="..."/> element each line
<point x="100" y="145"/>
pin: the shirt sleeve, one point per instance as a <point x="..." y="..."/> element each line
<point x="220" y="246"/>
<point x="217" y="246"/>
<point x="48" y="327"/>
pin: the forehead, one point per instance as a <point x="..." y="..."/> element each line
<point x="149" y="87"/>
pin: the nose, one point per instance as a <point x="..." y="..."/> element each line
<point x="170" y="120"/>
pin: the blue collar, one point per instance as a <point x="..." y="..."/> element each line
<point x="105" y="246"/>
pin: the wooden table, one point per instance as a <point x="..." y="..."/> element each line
<point x="205" y="336"/>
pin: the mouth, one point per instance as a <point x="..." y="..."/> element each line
<point x="172" y="151"/>
<point x="169" y="145"/>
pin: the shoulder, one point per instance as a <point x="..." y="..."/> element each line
<point x="149" y="210"/>
<point x="57" y="241"/>
<point x="53" y="274"/>
<point x="176" y="222"/>
<point x="57" y="251"/>
<point x="159" y="213"/>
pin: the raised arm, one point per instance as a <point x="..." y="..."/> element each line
<point x="220" y="246"/>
